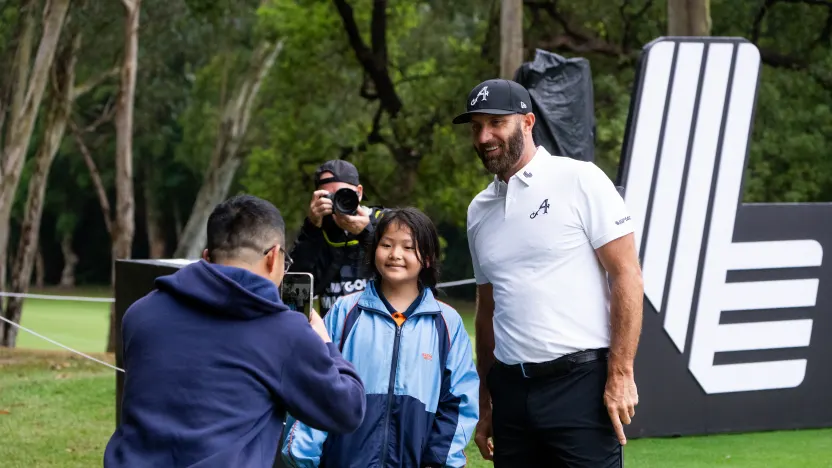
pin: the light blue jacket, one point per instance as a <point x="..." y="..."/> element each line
<point x="420" y="381"/>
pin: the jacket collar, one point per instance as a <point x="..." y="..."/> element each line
<point x="370" y="300"/>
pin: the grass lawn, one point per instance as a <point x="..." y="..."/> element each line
<point x="79" y="325"/>
<point x="57" y="410"/>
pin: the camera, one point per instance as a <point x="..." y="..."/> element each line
<point x="344" y="201"/>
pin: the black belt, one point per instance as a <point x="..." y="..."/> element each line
<point x="559" y="366"/>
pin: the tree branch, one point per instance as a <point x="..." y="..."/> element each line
<point x="103" y="200"/>
<point x="629" y="20"/>
<point x="106" y="116"/>
<point x="578" y="41"/>
<point x="86" y="87"/>
<point x="551" y="8"/>
<point x="348" y="19"/>
<point x="779" y="60"/>
<point x="827" y="30"/>
<point x="375" y="66"/>
<point x="758" y="20"/>
<point x="378" y="31"/>
<point x="825" y="3"/>
<point x="374" y="137"/>
<point x="578" y="46"/>
<point x="375" y="133"/>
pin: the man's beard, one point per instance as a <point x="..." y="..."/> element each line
<point x="506" y="155"/>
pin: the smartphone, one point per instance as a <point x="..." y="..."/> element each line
<point x="296" y="292"/>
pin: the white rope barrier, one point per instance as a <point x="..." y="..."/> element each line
<point x="448" y="284"/>
<point x="456" y="283"/>
<point x="58" y="298"/>
<point x="111" y="300"/>
<point x="62" y="346"/>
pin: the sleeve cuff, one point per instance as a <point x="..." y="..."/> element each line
<point x="333" y="349"/>
<point x="611" y="236"/>
<point x="310" y="229"/>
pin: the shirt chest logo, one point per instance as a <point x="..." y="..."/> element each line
<point x="544" y="207"/>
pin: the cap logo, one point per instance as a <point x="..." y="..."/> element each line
<point x="522" y="105"/>
<point x="483" y="93"/>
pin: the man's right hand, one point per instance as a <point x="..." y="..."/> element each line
<point x="484" y="434"/>
<point x="318" y="325"/>
<point x="319" y="207"/>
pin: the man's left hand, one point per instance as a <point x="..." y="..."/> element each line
<point x="621" y="398"/>
<point x="353" y="224"/>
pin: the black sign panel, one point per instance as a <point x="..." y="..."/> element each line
<point x="134" y="280"/>
<point x="735" y="293"/>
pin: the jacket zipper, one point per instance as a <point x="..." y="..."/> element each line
<point x="390" y="388"/>
<point x="392" y="383"/>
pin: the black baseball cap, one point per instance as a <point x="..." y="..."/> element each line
<point x="342" y="171"/>
<point x="498" y="97"/>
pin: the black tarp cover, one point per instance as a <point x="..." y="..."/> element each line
<point x="563" y="103"/>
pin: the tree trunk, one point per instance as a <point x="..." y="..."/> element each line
<point x="226" y="157"/>
<point x="688" y="18"/>
<point x="153" y="220"/>
<point x="70" y="262"/>
<point x="511" y="37"/>
<point x="124" y="222"/>
<point x="100" y="191"/>
<point x="40" y="270"/>
<point x="8" y="182"/>
<point x="57" y="113"/>
<point x="212" y="192"/>
<point x="29" y="90"/>
<point x="177" y="221"/>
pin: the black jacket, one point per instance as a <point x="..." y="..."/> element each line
<point x="334" y="257"/>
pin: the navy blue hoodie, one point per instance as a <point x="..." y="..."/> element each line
<point x="213" y="360"/>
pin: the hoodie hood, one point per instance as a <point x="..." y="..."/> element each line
<point x="224" y="290"/>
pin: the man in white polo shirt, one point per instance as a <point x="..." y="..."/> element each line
<point x="559" y="296"/>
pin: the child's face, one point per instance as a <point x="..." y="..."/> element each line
<point x="396" y="255"/>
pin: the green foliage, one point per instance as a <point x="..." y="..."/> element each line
<point x="791" y="163"/>
<point x="434" y="59"/>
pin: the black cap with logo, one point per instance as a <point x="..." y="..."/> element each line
<point x="499" y="97"/>
<point x="342" y="171"/>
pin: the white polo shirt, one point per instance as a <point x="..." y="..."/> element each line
<point x="534" y="240"/>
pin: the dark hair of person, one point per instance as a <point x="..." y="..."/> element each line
<point x="424" y="236"/>
<point x="243" y="228"/>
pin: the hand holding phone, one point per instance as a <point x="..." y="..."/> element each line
<point x="318" y="325"/>
<point x="296" y="292"/>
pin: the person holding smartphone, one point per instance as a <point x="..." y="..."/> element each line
<point x="211" y="356"/>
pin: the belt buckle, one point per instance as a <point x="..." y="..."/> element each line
<point x="523" y="369"/>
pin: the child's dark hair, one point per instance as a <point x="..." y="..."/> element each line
<point x="424" y="235"/>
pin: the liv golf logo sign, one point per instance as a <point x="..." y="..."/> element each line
<point x="736" y="333"/>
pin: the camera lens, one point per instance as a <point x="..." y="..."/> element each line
<point x="345" y="201"/>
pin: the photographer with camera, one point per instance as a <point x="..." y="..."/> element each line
<point x="335" y="233"/>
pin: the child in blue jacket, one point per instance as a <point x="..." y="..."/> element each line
<point x="413" y="355"/>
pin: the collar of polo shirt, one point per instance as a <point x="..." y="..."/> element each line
<point x="525" y="174"/>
